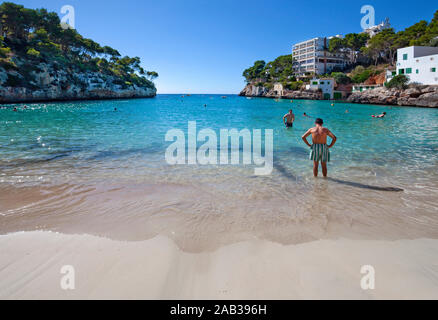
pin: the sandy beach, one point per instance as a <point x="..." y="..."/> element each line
<point x="30" y="264"/>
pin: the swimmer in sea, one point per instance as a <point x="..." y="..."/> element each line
<point x="289" y="119"/>
<point x="383" y="115"/>
<point x="306" y="115"/>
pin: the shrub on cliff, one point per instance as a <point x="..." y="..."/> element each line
<point x="400" y="82"/>
<point x="360" y="74"/>
<point x="341" y="78"/>
<point x="33" y="53"/>
<point x="294" y="86"/>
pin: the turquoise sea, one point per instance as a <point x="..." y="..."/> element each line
<point x="82" y="167"/>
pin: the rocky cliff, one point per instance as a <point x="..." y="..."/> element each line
<point x="50" y="81"/>
<point x="418" y="96"/>
<point x="252" y="90"/>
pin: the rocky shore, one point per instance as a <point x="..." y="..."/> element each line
<point x="417" y="96"/>
<point x="51" y="83"/>
<point x="259" y="91"/>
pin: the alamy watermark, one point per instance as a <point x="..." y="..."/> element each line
<point x="214" y="151"/>
<point x="368" y="281"/>
<point x="68" y="279"/>
<point x="369" y="18"/>
<point x="68" y="18"/>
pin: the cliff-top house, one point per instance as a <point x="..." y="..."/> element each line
<point x="374" y="30"/>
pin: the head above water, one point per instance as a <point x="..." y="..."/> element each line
<point x="319" y="121"/>
<point x="384" y="113"/>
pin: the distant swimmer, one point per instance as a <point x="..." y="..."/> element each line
<point x="115" y="109"/>
<point x="15" y="110"/>
<point x="306" y="115"/>
<point x="383" y="115"/>
<point x="289" y="119"/>
<point x="205" y="106"/>
<point x="320" y="151"/>
<point x="346" y="111"/>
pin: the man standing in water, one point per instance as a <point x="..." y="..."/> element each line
<point x="289" y="119"/>
<point x="320" y="150"/>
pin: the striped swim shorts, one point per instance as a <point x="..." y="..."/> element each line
<point x="320" y="152"/>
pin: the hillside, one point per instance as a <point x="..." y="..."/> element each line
<point x="369" y="60"/>
<point x="42" y="60"/>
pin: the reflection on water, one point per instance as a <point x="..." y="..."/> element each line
<point x="82" y="168"/>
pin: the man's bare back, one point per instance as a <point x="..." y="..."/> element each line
<point x="319" y="135"/>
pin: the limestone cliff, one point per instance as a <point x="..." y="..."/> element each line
<point x="51" y="81"/>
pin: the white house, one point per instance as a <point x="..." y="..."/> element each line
<point x="420" y="64"/>
<point x="365" y="87"/>
<point x="390" y="74"/>
<point x="278" y="88"/>
<point x="374" y="30"/>
<point x="326" y="85"/>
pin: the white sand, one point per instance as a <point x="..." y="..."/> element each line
<point x="30" y="265"/>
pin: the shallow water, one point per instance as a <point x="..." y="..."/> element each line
<point x="81" y="167"/>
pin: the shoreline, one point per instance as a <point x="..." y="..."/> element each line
<point x="60" y="100"/>
<point x="30" y="264"/>
<point x="416" y="96"/>
<point x="340" y="101"/>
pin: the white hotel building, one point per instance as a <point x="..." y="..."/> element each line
<point x="312" y="56"/>
<point x="420" y="64"/>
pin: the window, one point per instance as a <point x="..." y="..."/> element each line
<point x="401" y="71"/>
<point x="322" y="82"/>
<point x="315" y="83"/>
<point x="405" y="56"/>
<point x="408" y="70"/>
<point x="432" y="69"/>
<point x="417" y="71"/>
<point x="394" y="73"/>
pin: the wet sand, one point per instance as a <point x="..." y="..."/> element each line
<point x="30" y="264"/>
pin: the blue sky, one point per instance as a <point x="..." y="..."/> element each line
<point x="203" y="46"/>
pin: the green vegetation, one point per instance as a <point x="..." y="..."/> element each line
<point x="341" y="78"/>
<point x="399" y="82"/>
<point x="352" y="43"/>
<point x="255" y="72"/>
<point x="36" y="36"/>
<point x="279" y="70"/>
